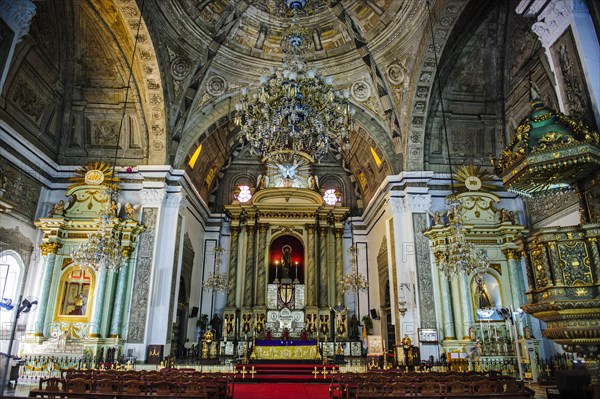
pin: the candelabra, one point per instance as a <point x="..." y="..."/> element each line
<point x="354" y="281"/>
<point x="103" y="247"/>
<point x="459" y="256"/>
<point x="217" y="281"/>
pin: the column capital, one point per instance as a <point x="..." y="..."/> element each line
<point x="175" y="200"/>
<point x="235" y="230"/>
<point x="250" y="228"/>
<point x="152" y="197"/>
<point x="310" y="228"/>
<point x="262" y="227"/>
<point x="50" y="248"/>
<point x="127" y="251"/>
<point x="510" y="253"/>
<point x="338" y="232"/>
<point x="418" y="203"/>
<point x="18" y="15"/>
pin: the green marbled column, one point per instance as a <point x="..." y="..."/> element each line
<point x="116" y="325"/>
<point x="95" y="327"/>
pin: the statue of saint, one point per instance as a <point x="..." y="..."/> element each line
<point x="354" y="327"/>
<point x="286" y="261"/>
<point x="484" y="300"/>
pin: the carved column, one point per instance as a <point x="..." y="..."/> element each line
<point x="117" y="317"/>
<point x="249" y="279"/>
<point x="233" y="266"/>
<point x="261" y="267"/>
<point x="596" y="258"/>
<point x="49" y="250"/>
<point x="98" y="303"/>
<point x="311" y="293"/>
<point x="339" y="266"/>
<point x="323" y="302"/>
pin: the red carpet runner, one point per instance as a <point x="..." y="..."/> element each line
<point x="281" y="390"/>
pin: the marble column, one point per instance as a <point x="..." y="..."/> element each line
<point x="249" y="275"/>
<point x="323" y="302"/>
<point x="456" y="308"/>
<point x="339" y="266"/>
<point x="95" y="326"/>
<point x="49" y="250"/>
<point x="233" y="267"/>
<point x="447" y="307"/>
<point x="311" y="292"/>
<point x="514" y="274"/>
<point x="261" y="268"/>
<point x="467" y="306"/>
<point x="116" y="325"/>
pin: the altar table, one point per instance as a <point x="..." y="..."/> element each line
<point x="285" y="350"/>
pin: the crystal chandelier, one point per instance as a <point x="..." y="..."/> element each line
<point x="217" y="281"/>
<point x="459" y="255"/>
<point x="102" y="247"/>
<point x="297" y="109"/>
<point x="353" y="281"/>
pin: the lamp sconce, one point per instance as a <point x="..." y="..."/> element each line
<point x="402" y="308"/>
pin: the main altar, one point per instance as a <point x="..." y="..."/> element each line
<point x="285" y="262"/>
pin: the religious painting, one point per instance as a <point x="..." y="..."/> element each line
<point x="374" y="345"/>
<point x="74" y="299"/>
<point x="286" y="260"/>
<point x="486" y="295"/>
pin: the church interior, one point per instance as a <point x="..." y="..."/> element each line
<point x="362" y="185"/>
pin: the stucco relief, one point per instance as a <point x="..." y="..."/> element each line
<point x="28" y="99"/>
<point x="570" y="77"/>
<point x="21" y="191"/>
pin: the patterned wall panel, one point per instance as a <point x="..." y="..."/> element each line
<point x="141" y="284"/>
<point x="425" y="279"/>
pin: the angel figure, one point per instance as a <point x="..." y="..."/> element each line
<point x="58" y="209"/>
<point x="113" y="209"/>
<point x="129" y="211"/>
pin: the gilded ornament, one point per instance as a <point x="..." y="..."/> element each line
<point x="50" y="248"/>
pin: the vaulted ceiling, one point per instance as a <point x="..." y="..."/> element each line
<point x="192" y="57"/>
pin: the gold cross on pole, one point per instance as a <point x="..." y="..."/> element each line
<point x="243" y="372"/>
<point x="324" y="372"/>
<point x="252" y="372"/>
<point x="315" y="373"/>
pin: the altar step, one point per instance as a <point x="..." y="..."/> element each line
<point x="287" y="372"/>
